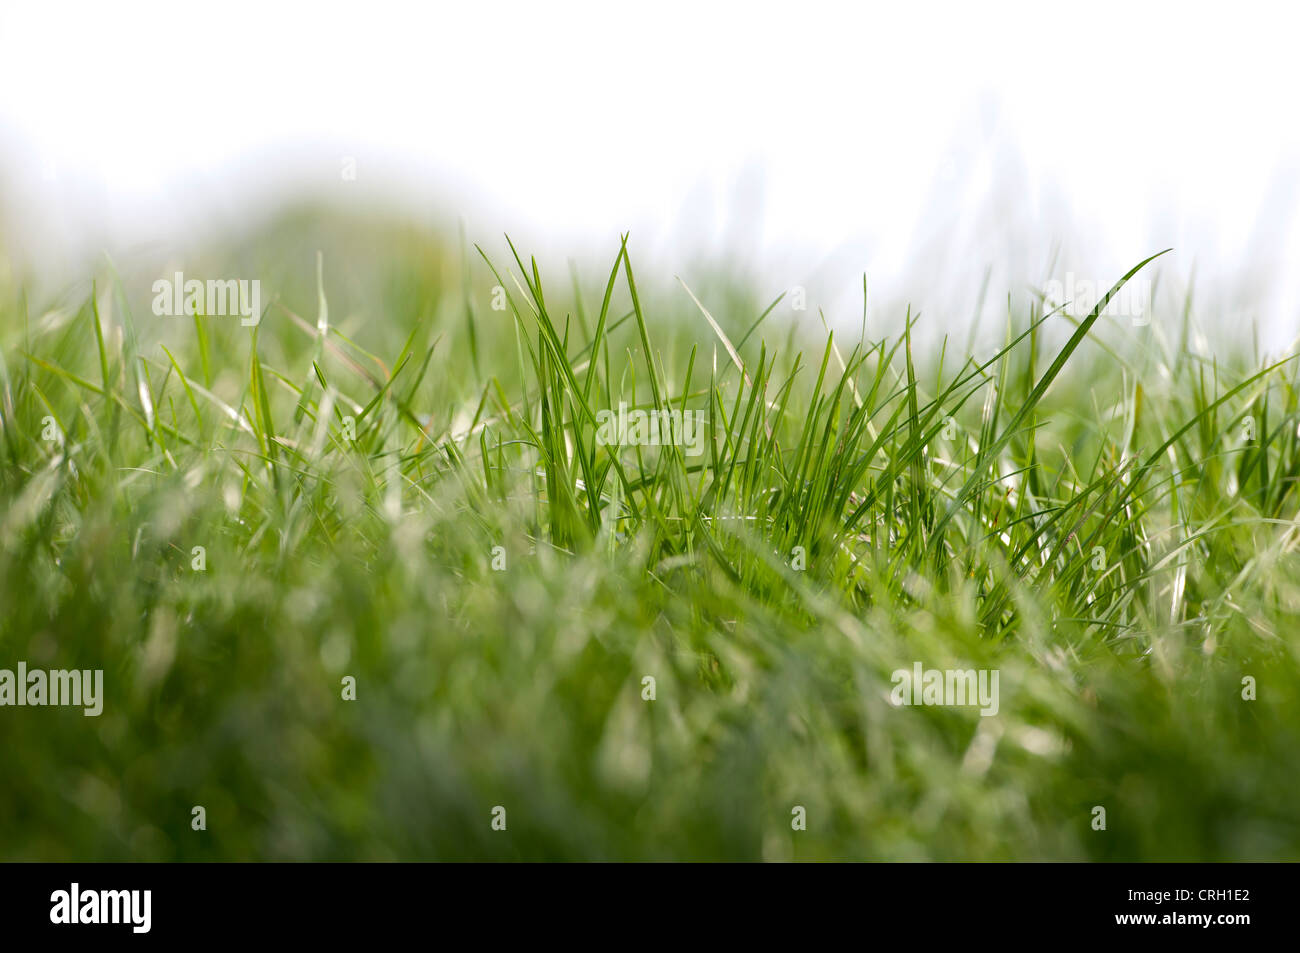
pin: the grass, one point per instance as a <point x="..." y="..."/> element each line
<point x="394" y="482"/>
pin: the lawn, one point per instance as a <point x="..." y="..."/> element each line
<point x="401" y="571"/>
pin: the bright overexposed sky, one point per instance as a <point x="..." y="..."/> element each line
<point x="912" y="141"/>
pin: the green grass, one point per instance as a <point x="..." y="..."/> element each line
<point x="1078" y="509"/>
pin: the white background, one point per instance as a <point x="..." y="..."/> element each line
<point x="920" y="143"/>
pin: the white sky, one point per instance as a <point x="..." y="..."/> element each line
<point x="857" y="137"/>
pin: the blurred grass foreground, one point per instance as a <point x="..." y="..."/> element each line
<point x="366" y="578"/>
